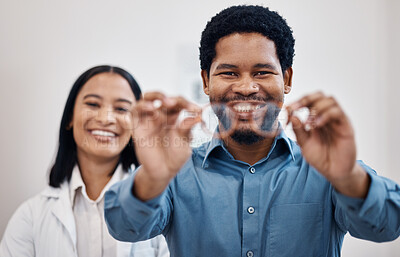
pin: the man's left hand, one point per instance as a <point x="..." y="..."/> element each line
<point x="328" y="143"/>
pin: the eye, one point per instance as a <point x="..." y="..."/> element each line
<point x="92" y="104"/>
<point x="121" y="109"/>
<point x="227" y="74"/>
<point x="262" y="73"/>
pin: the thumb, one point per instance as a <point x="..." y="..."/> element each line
<point x="185" y="127"/>
<point x="299" y="130"/>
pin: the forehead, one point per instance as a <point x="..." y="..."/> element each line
<point x="107" y="85"/>
<point x="245" y="48"/>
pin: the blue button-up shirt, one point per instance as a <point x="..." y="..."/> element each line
<point x="280" y="206"/>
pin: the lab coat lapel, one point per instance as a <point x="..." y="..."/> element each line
<point x="63" y="212"/>
<point x="123" y="249"/>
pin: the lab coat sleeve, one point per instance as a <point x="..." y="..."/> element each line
<point x="130" y="219"/>
<point x="18" y="236"/>
<point x="375" y="218"/>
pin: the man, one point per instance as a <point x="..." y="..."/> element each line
<point x="248" y="194"/>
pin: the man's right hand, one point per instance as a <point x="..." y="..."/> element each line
<point x="162" y="141"/>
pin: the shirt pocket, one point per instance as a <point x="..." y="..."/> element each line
<point x="295" y="230"/>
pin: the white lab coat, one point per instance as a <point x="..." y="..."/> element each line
<point x="44" y="226"/>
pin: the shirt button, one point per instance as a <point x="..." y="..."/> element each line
<point x="250" y="254"/>
<point x="250" y="210"/>
<point x="252" y="170"/>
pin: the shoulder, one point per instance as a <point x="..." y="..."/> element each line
<point x="26" y="215"/>
<point x="39" y="202"/>
<point x="31" y="224"/>
<point x="36" y="206"/>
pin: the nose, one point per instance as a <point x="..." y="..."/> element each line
<point x="106" y="116"/>
<point x="246" y="86"/>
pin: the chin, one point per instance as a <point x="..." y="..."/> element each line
<point x="106" y="152"/>
<point x="246" y="137"/>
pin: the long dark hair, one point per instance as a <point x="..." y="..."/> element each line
<point x="66" y="154"/>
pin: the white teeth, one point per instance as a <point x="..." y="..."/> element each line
<point x="103" y="133"/>
<point x="246" y="107"/>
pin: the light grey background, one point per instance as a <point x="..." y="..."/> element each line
<point x="346" y="48"/>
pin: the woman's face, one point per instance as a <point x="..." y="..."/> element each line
<point x="102" y="121"/>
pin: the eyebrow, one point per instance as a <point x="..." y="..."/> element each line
<point x="226" y="66"/>
<point x="258" y="65"/>
<point x="265" y="65"/>
<point x="92" y="95"/>
<point x="99" y="97"/>
<point x="123" y="100"/>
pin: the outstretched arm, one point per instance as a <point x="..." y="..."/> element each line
<point x="139" y="207"/>
<point x="328" y="143"/>
<point x="162" y="141"/>
<point x="367" y="205"/>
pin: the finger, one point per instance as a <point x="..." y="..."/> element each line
<point x="143" y="108"/>
<point x="180" y="110"/>
<point x="332" y="114"/>
<point x="176" y="104"/>
<point x="188" y="118"/>
<point x="322" y="105"/>
<point x="299" y="130"/>
<point x="152" y="96"/>
<point x="306" y="101"/>
<point x="185" y="127"/>
<point x="148" y="116"/>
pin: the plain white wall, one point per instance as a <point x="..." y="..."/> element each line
<point x="346" y="48"/>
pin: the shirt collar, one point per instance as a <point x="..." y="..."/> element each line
<point x="216" y="143"/>
<point x="283" y="137"/>
<point x="77" y="183"/>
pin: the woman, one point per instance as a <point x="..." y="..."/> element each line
<point x="95" y="151"/>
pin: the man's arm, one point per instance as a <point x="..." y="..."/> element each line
<point x="139" y="208"/>
<point x="129" y="218"/>
<point x="368" y="206"/>
<point x="162" y="141"/>
<point x="375" y="218"/>
<point x="327" y="142"/>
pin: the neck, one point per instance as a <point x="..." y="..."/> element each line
<point x="249" y="153"/>
<point x="95" y="173"/>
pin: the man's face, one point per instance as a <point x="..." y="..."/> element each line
<point x="246" y="74"/>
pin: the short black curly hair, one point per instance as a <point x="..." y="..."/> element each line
<point x="247" y="19"/>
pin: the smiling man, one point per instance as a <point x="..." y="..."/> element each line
<point x="245" y="74"/>
<point x="247" y="193"/>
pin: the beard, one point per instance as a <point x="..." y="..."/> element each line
<point x="246" y="136"/>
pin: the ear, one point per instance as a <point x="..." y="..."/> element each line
<point x="204" y="77"/>
<point x="69" y="126"/>
<point x="287" y="79"/>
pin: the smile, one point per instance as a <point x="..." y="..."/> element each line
<point x="103" y="133"/>
<point x="246" y="107"/>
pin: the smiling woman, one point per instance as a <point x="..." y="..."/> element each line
<point x="95" y="151"/>
<point x="101" y="121"/>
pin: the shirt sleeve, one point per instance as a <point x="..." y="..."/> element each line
<point x="18" y="236"/>
<point x="130" y="219"/>
<point x="375" y="218"/>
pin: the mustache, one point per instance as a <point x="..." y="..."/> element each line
<point x="242" y="98"/>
